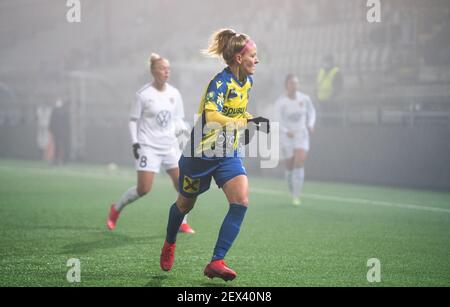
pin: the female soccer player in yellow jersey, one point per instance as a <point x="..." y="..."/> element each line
<point x="156" y="115"/>
<point x="214" y="152"/>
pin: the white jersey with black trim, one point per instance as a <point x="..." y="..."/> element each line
<point x="157" y="114"/>
<point x="295" y="115"/>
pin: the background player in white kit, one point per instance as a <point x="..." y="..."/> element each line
<point x="297" y="116"/>
<point x="156" y="118"/>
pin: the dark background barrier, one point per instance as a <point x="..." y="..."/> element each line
<point x="399" y="156"/>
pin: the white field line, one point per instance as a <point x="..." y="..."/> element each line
<point x="358" y="201"/>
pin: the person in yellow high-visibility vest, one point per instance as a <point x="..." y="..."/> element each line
<point x="328" y="84"/>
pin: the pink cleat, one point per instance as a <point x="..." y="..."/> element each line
<point x="167" y="256"/>
<point x="185" y="228"/>
<point x="219" y="268"/>
<point x="112" y="218"/>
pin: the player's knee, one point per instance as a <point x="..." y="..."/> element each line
<point x="299" y="163"/>
<point x="241" y="200"/>
<point x="290" y="164"/>
<point x="185" y="204"/>
<point x="143" y="190"/>
<point x="185" y="208"/>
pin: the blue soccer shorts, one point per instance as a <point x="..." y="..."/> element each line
<point x="196" y="173"/>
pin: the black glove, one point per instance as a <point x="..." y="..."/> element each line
<point x="260" y="120"/>
<point x="249" y="132"/>
<point x="136" y="147"/>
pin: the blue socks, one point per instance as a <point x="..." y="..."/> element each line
<point x="229" y="230"/>
<point x="175" y="220"/>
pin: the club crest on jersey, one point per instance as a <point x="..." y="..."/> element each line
<point x="172" y="100"/>
<point x="218" y="84"/>
<point x="301" y="103"/>
<point x="232" y="94"/>
<point x="163" y="118"/>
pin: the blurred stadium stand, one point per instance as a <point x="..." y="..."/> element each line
<point x="396" y="73"/>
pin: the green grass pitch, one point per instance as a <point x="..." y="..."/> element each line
<point x="49" y="215"/>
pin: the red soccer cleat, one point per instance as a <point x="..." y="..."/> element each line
<point x="112" y="218"/>
<point x="218" y="268"/>
<point x="167" y="256"/>
<point x="185" y="228"/>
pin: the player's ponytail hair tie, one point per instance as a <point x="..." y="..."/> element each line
<point x="248" y="45"/>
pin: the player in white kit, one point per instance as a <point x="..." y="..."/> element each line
<point x="297" y="116"/>
<point x="156" y="118"/>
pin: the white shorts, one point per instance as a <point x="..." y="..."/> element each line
<point x="150" y="160"/>
<point x="289" y="145"/>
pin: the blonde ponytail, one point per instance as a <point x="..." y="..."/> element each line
<point x="225" y="43"/>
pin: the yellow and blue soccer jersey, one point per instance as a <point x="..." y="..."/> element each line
<point x="228" y="96"/>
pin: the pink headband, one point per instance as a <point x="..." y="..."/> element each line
<point x="249" y="44"/>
